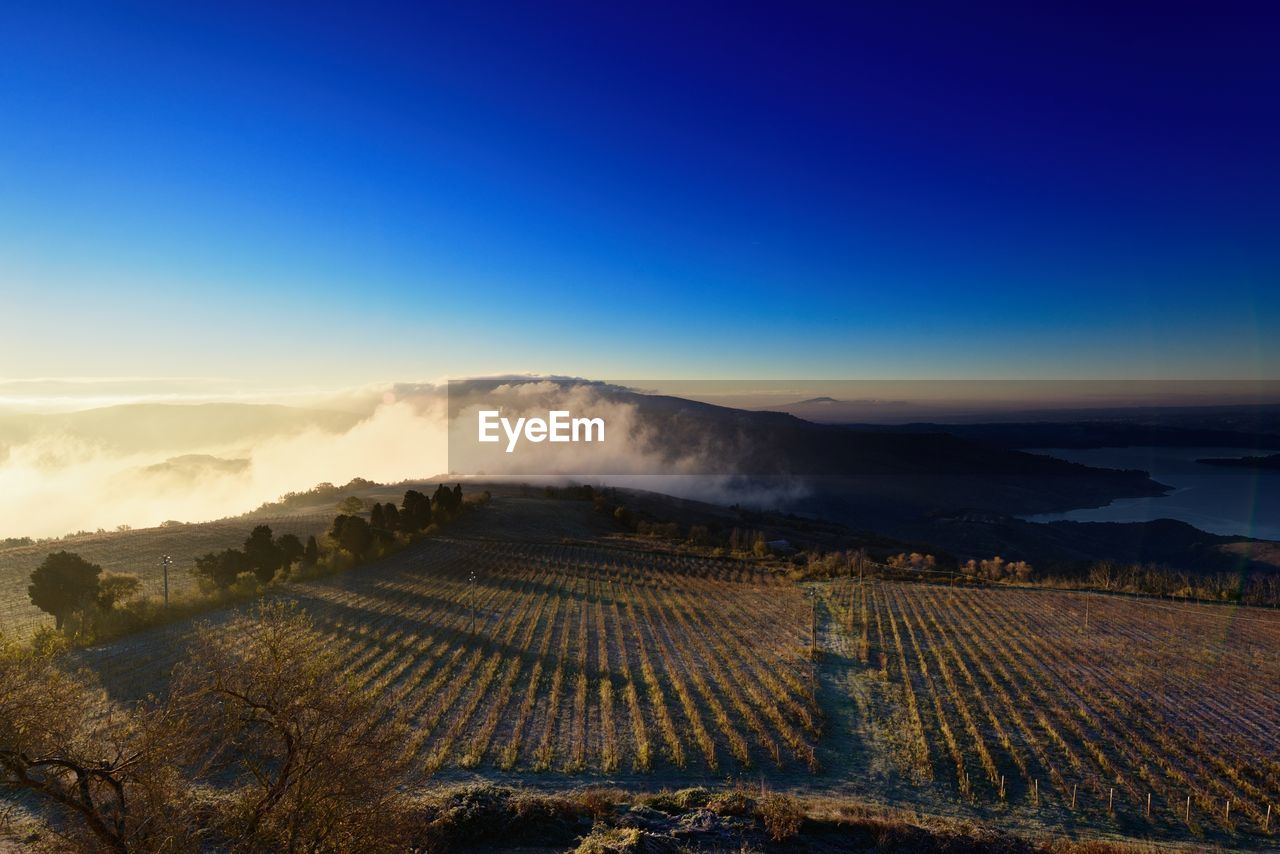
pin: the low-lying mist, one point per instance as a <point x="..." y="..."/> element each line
<point x="55" y="484"/>
<point x="143" y="465"/>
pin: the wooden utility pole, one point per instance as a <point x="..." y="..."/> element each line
<point x="1073" y="795"/>
<point x="471" y="599"/>
<point x="813" y="625"/>
<point x="849" y="617"/>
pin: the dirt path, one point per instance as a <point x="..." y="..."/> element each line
<point x="855" y="751"/>
<point x="845" y="749"/>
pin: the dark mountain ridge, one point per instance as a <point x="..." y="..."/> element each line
<point x="1218" y="427"/>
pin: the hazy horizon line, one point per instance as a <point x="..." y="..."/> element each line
<point x="61" y="395"/>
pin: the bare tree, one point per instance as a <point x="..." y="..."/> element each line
<point x="113" y="774"/>
<point x="315" y="762"/>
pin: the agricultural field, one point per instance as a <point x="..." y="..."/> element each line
<point x="1149" y="718"/>
<point x="588" y="657"/>
<point x="561" y="658"/>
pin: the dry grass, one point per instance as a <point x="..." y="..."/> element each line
<point x="488" y="818"/>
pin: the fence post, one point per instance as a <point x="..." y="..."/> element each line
<point x="813" y="625"/>
<point x="1073" y="795"/>
<point x="1111" y="799"/>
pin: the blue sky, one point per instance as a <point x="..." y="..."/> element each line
<point x="322" y="194"/>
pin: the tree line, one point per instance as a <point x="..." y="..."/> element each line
<point x="91" y="604"/>
<point x="1245" y="588"/>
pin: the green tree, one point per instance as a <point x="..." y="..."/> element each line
<point x="441" y="500"/>
<point x="115" y="587"/>
<point x="353" y="534"/>
<point x="221" y="568"/>
<point x="351" y="504"/>
<point x="290" y="548"/>
<point x="64" y="583"/>
<point x="262" y="553"/>
<point x="335" y="530"/>
<point x="446" y="502"/>
<point x="415" y="512"/>
<point x="311" y="552"/>
<point x="383" y="522"/>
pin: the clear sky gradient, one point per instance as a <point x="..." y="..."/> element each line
<point x="319" y="194"/>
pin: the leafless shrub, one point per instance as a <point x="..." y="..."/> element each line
<point x="734" y="802"/>
<point x="782" y="815"/>
<point x="112" y="774"/>
<point x="614" y="840"/>
<point x="600" y="801"/>
<point x="314" y="762"/>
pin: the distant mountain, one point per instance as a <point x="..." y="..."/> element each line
<point x="1135" y="430"/>
<point x="194" y="466"/>
<point x="865" y="477"/>
<point x="746" y="442"/>
<point x="1063" y="545"/>
<point x="926" y="485"/>
<point x="1269" y="463"/>
<point x="830" y="410"/>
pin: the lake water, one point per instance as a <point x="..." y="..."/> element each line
<point x="1233" y="501"/>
